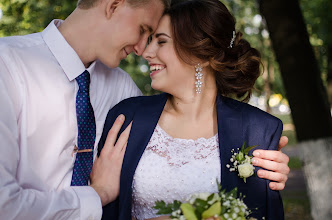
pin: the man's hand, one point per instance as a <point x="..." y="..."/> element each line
<point x="275" y="163"/>
<point x="106" y="170"/>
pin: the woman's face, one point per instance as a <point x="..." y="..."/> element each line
<point x="168" y="73"/>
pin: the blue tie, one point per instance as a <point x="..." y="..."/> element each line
<point x="86" y="132"/>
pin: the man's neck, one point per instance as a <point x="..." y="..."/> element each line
<point x="78" y="30"/>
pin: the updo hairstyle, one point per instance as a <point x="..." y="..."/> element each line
<point x="203" y="29"/>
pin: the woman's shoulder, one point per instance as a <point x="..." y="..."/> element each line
<point x="131" y="105"/>
<point x="138" y="100"/>
<point x="252" y="113"/>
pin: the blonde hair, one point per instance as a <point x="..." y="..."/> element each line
<point x="86" y="4"/>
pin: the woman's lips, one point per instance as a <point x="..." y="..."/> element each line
<point x="156" y="68"/>
<point x="155" y="72"/>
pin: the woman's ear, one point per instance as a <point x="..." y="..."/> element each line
<point x="205" y="64"/>
<point x="112" y="6"/>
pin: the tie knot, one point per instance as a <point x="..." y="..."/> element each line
<point x="83" y="80"/>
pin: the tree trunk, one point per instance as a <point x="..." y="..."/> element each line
<point x="267" y="88"/>
<point x="329" y="73"/>
<point x="300" y="72"/>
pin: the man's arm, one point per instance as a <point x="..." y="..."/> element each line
<point x="275" y="163"/>
<point x="24" y="201"/>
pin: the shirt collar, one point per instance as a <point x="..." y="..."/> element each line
<point x="63" y="52"/>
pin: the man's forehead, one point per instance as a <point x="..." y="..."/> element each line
<point x="153" y="11"/>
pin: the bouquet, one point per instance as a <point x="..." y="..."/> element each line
<point x="207" y="206"/>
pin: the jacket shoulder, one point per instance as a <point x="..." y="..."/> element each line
<point x="130" y="105"/>
<point x="254" y="114"/>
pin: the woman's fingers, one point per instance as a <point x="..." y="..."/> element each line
<point x="121" y="144"/>
<point x="113" y="132"/>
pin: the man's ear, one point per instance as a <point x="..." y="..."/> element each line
<point x="111" y="7"/>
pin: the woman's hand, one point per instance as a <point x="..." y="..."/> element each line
<point x="275" y="163"/>
<point x="106" y="170"/>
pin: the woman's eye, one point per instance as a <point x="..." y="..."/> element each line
<point x="161" y="42"/>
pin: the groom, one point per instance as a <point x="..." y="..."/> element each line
<point x="56" y="88"/>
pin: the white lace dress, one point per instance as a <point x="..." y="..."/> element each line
<point x="173" y="169"/>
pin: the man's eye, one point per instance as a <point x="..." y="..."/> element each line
<point x="142" y="31"/>
<point x="149" y="39"/>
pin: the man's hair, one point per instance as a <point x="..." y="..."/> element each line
<point x="86" y="4"/>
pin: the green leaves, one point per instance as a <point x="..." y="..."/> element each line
<point x="166" y="208"/>
<point x="188" y="211"/>
<point x="214" y="210"/>
<point x="205" y="206"/>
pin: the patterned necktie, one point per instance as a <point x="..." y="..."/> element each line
<point x="86" y="132"/>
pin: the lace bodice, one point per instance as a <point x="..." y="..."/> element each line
<point x="173" y="169"/>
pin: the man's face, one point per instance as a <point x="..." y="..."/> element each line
<point x="128" y="31"/>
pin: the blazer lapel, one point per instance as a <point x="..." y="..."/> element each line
<point x="144" y="122"/>
<point x="230" y="133"/>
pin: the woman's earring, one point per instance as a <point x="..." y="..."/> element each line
<point x="199" y="76"/>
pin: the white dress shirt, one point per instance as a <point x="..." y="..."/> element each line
<point x="38" y="127"/>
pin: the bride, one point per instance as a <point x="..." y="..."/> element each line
<point x="181" y="140"/>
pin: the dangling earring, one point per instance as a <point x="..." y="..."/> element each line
<point x="199" y="76"/>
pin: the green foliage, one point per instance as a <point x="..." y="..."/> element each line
<point x="138" y="69"/>
<point x="166" y="209"/>
<point x="295" y="163"/>
<point x="29" y="16"/>
<point x="318" y="17"/>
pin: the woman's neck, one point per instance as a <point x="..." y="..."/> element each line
<point x="192" y="107"/>
<point x="185" y="102"/>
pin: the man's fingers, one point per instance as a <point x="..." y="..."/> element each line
<point x="123" y="139"/>
<point x="282" y="142"/>
<point x="276" y="186"/>
<point x="113" y="132"/>
<point x="271" y="165"/>
<point x="273" y="176"/>
<point x="273" y="155"/>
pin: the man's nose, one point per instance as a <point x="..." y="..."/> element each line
<point x="140" y="46"/>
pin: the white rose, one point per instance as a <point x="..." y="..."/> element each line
<point x="246" y="170"/>
<point x="203" y="196"/>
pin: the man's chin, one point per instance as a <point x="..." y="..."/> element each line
<point x="112" y="63"/>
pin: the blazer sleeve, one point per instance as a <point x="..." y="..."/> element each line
<point x="275" y="208"/>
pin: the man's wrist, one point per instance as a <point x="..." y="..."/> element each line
<point x="90" y="202"/>
<point x="104" y="198"/>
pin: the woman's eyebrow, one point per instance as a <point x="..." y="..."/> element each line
<point x="162" y="34"/>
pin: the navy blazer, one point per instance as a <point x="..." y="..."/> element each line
<point x="237" y="123"/>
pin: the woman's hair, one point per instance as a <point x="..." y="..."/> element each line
<point x="203" y="30"/>
<point x="86" y="4"/>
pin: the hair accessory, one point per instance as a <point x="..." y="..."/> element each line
<point x="232" y="41"/>
<point x="199" y="76"/>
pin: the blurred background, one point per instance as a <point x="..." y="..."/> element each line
<point x="295" y="40"/>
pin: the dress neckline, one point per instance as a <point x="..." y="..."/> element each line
<point x="158" y="127"/>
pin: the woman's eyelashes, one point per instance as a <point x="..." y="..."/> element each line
<point x="161" y="41"/>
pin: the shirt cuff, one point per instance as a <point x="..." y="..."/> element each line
<point x="90" y="204"/>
